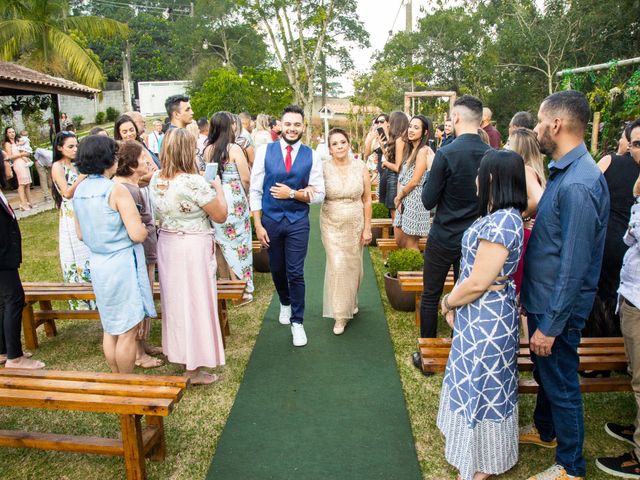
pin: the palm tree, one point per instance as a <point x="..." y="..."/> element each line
<point x="39" y="34"/>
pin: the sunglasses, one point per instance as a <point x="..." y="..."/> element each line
<point x="634" y="144"/>
<point x="378" y="122"/>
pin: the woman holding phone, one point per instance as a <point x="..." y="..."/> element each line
<point x="184" y="202"/>
<point x="234" y="235"/>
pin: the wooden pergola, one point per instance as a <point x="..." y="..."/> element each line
<point x="18" y="80"/>
<point x="409" y="96"/>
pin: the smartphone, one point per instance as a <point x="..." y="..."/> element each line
<point x="210" y="171"/>
<point x="383" y="136"/>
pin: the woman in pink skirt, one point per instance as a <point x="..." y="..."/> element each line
<point x="20" y="161"/>
<point x="183" y="202"/>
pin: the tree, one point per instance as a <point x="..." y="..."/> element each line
<point x="300" y="31"/>
<point x="256" y="91"/>
<point x="40" y="35"/>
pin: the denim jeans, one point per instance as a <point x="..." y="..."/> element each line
<point x="558" y="413"/>
<point x="438" y="259"/>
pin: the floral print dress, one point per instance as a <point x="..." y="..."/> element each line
<point x="234" y="235"/>
<point x="74" y="254"/>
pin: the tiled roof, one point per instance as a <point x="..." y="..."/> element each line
<point x="13" y="76"/>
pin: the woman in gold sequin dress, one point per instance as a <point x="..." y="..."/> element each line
<point x="345" y="226"/>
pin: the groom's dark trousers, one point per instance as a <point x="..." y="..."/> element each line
<point x="287" y="250"/>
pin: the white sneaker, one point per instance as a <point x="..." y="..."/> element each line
<point x="285" y="314"/>
<point x="299" y="337"/>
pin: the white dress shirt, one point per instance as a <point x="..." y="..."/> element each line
<point x="256" y="188"/>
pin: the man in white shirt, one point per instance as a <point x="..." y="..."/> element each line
<point x="286" y="178"/>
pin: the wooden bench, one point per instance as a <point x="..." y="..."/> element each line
<point x="131" y="397"/>
<point x="384" y="224"/>
<point x="44" y="293"/>
<point x="412" y="282"/>
<point x="596" y="354"/>
<point x="387" y="245"/>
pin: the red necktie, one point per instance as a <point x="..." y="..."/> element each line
<point x="288" y="161"/>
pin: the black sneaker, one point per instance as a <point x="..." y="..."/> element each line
<point x="416" y="359"/>
<point x="621" y="432"/>
<point x="624" y="466"/>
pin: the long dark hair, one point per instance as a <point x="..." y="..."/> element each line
<point x="124" y="119"/>
<point x="220" y="136"/>
<point x="501" y="182"/>
<point x="6" y="137"/>
<point x="398" y="124"/>
<point x="410" y="153"/>
<point x="61" y="137"/>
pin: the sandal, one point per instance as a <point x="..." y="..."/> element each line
<point x="149" y="362"/>
<point x="246" y="298"/>
<point x="203" y="378"/>
<point x="3" y="358"/>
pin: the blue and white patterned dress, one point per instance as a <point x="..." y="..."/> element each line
<point x="478" y="411"/>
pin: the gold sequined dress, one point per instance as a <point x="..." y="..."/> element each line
<point x="341" y="226"/>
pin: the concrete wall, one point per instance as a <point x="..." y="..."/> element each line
<point x="112" y="96"/>
<point x="153" y="94"/>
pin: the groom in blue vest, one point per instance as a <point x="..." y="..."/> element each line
<point x="286" y="177"/>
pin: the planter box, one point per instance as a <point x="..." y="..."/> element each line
<point x="399" y="300"/>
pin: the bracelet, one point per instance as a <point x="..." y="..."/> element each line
<point x="445" y="301"/>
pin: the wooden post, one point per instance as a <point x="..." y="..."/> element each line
<point x="595" y="132"/>
<point x="132" y="445"/>
<point x="49" y="325"/>
<point x="159" y="450"/>
<point x="407" y="104"/>
<point x="29" y="327"/>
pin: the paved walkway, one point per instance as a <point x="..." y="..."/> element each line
<point x="36" y="199"/>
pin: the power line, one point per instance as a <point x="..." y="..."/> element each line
<point x="134" y="6"/>
<point x="394" y="21"/>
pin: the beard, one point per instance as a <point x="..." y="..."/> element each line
<point x="547" y="145"/>
<point x="294" y="140"/>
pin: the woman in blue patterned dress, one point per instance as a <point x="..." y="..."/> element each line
<point x="234" y="235"/>
<point x="478" y="412"/>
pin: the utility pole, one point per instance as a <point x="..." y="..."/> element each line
<point x="126" y="78"/>
<point x="409" y="16"/>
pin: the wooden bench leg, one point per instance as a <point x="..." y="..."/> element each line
<point x="159" y="451"/>
<point x="49" y="325"/>
<point x="418" y="301"/>
<point x="223" y="320"/>
<point x="132" y="445"/>
<point x="29" y="327"/>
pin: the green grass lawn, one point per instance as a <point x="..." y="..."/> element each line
<point x="195" y="425"/>
<point x="192" y="430"/>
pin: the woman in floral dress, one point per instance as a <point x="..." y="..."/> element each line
<point x="74" y="254"/>
<point x="234" y="235"/>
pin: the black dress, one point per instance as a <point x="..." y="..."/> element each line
<point x="620" y="177"/>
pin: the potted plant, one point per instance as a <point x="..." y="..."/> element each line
<point x="401" y="260"/>
<point x="260" y="257"/>
<point x="378" y="210"/>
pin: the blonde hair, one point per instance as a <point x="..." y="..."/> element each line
<point x="156" y="123"/>
<point x="262" y="122"/>
<point x="525" y="143"/>
<point x="484" y="136"/>
<point x="178" y="153"/>
<point x="193" y="129"/>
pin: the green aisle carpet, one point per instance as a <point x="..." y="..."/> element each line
<point x="331" y="410"/>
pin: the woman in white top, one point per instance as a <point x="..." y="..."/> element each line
<point x="262" y="133"/>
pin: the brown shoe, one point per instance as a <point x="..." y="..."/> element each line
<point x="530" y="434"/>
<point x="557" y="472"/>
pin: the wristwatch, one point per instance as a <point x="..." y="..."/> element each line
<point x="292" y="194"/>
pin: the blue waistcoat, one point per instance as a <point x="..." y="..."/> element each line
<point x="297" y="178"/>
